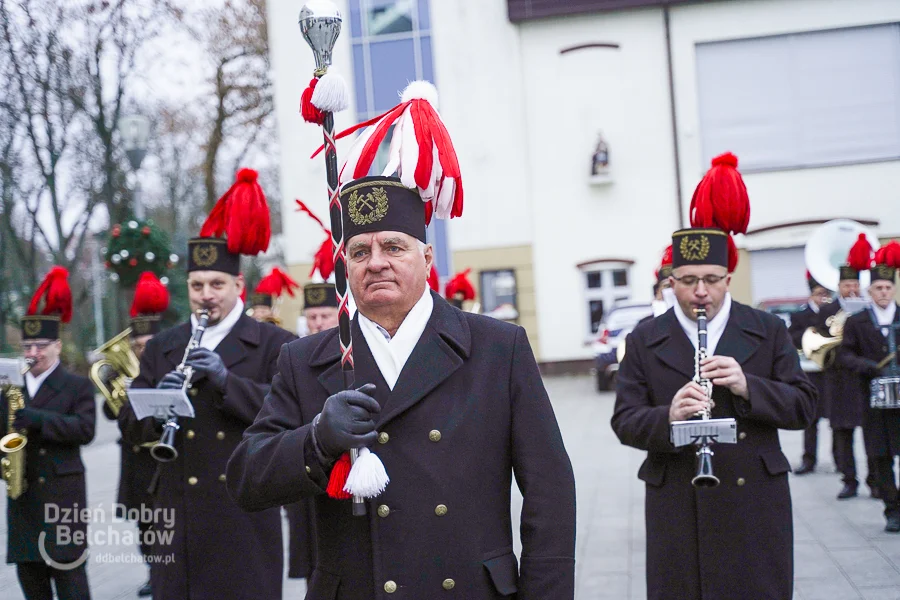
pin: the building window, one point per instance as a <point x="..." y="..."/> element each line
<point x="499" y="290"/>
<point x="605" y="285"/>
<point x="802" y="100"/>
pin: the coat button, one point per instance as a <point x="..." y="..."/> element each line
<point x="41" y="480"/>
<point x="383" y="510"/>
<point x="222" y="477"/>
<point x="448" y="584"/>
<point x="741" y="481"/>
<point x="440" y="510"/>
<point x="308" y="470"/>
<point x="42" y="452"/>
<point x="220" y="435"/>
<point x="136" y="449"/>
<point x="190" y="434"/>
<point x="390" y="587"/>
<point x="192" y="480"/>
<point x="383" y="437"/>
<point x="742" y="435"/>
<point x="193" y="392"/>
<point x="434" y="435"/>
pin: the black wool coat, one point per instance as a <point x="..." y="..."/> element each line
<point x="841" y="384"/>
<point x="54" y="471"/>
<point x="468" y="411"/>
<point x="800" y="322"/>
<point x="136" y="469"/>
<point x="219" y="550"/>
<point x="734" y="541"/>
<point x="862" y="348"/>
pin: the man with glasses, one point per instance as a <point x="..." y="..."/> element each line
<point x="733" y="541"/>
<point x="819" y="297"/>
<point x="59" y="417"/>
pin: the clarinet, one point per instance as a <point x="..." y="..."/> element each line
<point x="164" y="450"/>
<point x="704" y="477"/>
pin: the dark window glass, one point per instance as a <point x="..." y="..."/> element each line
<point x="359" y="79"/>
<point x="498" y="288"/>
<point x="596" y="309"/>
<point x="594" y="279"/>
<point x="620" y="277"/>
<point x="393" y="67"/>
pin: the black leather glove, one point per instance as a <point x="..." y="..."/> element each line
<point x="207" y="363"/>
<point x="173" y="380"/>
<point x="347" y="421"/>
<point x="29" y="419"/>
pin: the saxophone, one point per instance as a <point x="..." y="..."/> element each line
<point x="12" y="445"/>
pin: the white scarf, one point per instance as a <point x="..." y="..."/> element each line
<point x="885" y="316"/>
<point x="390" y="353"/>
<point x="214" y="334"/>
<point x="715" y="327"/>
<point x="34" y="383"/>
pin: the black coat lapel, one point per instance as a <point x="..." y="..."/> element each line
<point x="242" y="338"/>
<point x="671" y="345"/>
<point x="743" y="334"/>
<point x="49" y="389"/>
<point x="441" y="350"/>
<point x="176" y="343"/>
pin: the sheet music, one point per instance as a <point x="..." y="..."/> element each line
<point x="11" y="371"/>
<point x="149" y="402"/>
<point x="719" y="431"/>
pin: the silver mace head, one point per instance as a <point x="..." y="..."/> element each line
<point x="320" y="23"/>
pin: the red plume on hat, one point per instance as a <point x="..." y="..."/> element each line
<point x="888" y="255"/>
<point x="434" y="282"/>
<point x="421" y="151"/>
<point x="323" y="261"/>
<point x="57" y="295"/>
<point x="721" y="201"/>
<point x="665" y="261"/>
<point x="460" y="283"/>
<point x="151" y="297"/>
<point x="860" y="255"/>
<point x="277" y="283"/>
<point x="242" y="215"/>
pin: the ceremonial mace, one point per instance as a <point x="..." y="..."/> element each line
<point x="320" y="24"/>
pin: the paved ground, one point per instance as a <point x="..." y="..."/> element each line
<point x="841" y="550"/>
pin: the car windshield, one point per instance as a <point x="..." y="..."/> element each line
<point x="627" y="316"/>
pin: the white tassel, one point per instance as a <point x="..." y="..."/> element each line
<point x="331" y="93"/>
<point x="355" y="153"/>
<point x="367" y="476"/>
<point x="444" y="205"/>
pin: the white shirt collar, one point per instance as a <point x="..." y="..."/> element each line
<point x="714" y="328"/>
<point x="390" y="353"/>
<point x="814" y="307"/>
<point x="885" y="316"/>
<point x="214" y="334"/>
<point x="34" y="383"/>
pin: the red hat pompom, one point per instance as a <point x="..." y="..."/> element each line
<point x="242" y="215"/>
<point x="460" y="283"/>
<point x="860" y="255"/>
<point x="721" y="199"/>
<point x="151" y="297"/>
<point x="434" y="281"/>
<point x="666" y="260"/>
<point x="276" y="283"/>
<point x="323" y="261"/>
<point x="57" y="295"/>
<point x="889" y="255"/>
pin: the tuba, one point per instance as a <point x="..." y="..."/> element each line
<point x="12" y="445"/>
<point x="113" y="373"/>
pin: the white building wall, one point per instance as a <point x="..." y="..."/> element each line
<point x="569" y="99"/>
<point x="292" y="68"/>
<point x="864" y="191"/>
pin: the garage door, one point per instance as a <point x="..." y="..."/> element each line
<point x="779" y="273"/>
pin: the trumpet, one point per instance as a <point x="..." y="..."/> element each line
<point x="164" y="450"/>
<point x="704" y="477"/>
<point x="12" y="445"/>
<point x="114" y="372"/>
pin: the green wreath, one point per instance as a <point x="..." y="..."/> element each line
<point x="137" y="246"/>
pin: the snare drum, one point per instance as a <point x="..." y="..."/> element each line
<point x="884" y="392"/>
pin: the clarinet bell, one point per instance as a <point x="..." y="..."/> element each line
<point x="164" y="450"/>
<point x="705" y="477"/>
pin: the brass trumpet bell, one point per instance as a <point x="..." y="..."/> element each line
<point x="819" y="348"/>
<point x="113" y="373"/>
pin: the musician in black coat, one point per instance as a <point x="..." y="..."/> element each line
<point x="219" y="551"/>
<point x="59" y="417"/>
<point x="733" y="541"/>
<point x="454" y="404"/>
<point x="800" y="322"/>
<point x="864" y="346"/>
<point x="841" y="396"/>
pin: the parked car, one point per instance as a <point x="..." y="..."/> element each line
<point x="620" y="321"/>
<point x="783" y="307"/>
